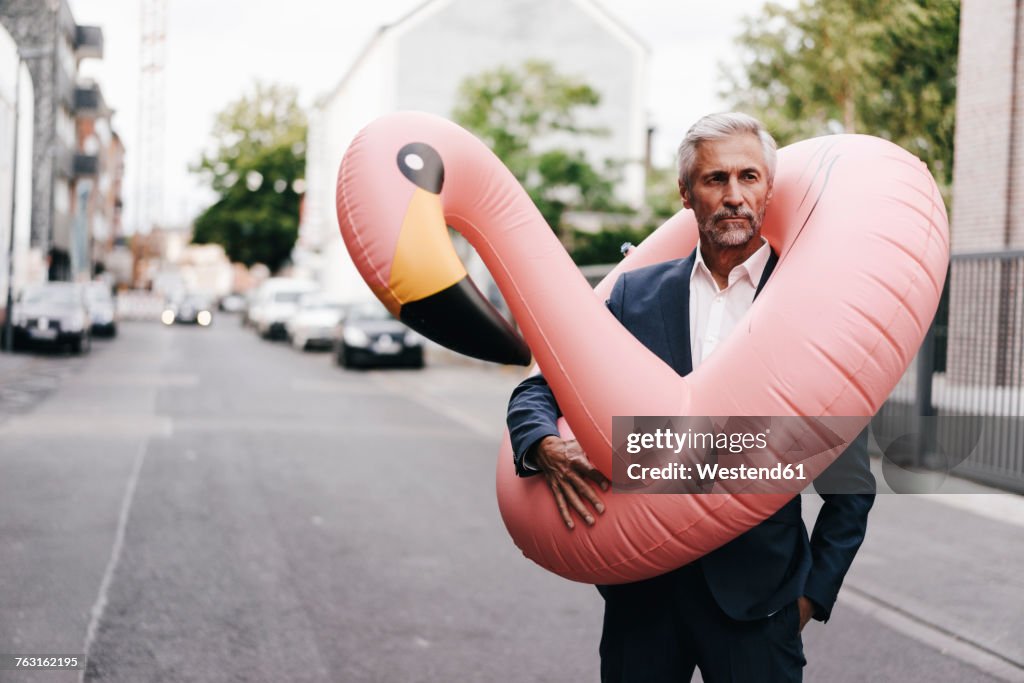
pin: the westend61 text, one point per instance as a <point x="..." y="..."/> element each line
<point x="709" y="472"/>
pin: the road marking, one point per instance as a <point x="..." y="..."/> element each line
<point x="436" y="405"/>
<point x="334" y="387"/>
<point x="98" y="607"/>
<point x="932" y="635"/>
<point x="305" y="427"/>
<point x="101" y="425"/>
<point x="139" y="379"/>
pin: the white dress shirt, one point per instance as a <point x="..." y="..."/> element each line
<point x="714" y="312"/>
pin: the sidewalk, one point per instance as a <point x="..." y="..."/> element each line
<point x="943" y="570"/>
<point x="27" y="377"/>
<point x="13" y="364"/>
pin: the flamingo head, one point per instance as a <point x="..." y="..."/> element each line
<point x="412" y="265"/>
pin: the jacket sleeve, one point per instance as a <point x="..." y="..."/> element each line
<point x="532" y="410"/>
<point x="848" y="489"/>
<point x="532" y="415"/>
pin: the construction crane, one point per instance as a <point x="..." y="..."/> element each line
<point x="149" y="165"/>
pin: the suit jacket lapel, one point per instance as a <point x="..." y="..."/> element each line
<point x="675" y="313"/>
<point x="768" y="268"/>
<point x="675" y="309"/>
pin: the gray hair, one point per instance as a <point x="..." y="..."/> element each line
<point x="716" y="127"/>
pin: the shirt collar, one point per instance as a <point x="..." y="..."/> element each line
<point x="752" y="268"/>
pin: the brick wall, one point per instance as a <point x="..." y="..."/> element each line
<point x="985" y="328"/>
<point x="985" y="100"/>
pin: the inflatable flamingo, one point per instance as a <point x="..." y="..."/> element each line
<point x="862" y="237"/>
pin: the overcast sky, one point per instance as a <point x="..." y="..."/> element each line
<point x="215" y="50"/>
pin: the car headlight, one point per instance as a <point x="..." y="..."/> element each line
<point x="413" y="339"/>
<point x="204" y="318"/>
<point x="167" y="317"/>
<point x="355" y="337"/>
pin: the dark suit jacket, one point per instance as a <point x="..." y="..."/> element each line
<point x="775" y="562"/>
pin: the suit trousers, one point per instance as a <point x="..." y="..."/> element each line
<point x="661" y="629"/>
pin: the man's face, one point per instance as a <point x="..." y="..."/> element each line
<point x="729" y="190"/>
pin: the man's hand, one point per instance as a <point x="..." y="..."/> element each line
<point x="806" y="610"/>
<point x="569" y="474"/>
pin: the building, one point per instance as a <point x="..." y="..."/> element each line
<point x="973" y="374"/>
<point x="98" y="175"/>
<point x="52" y="45"/>
<point x="419" y="62"/>
<point x="986" y="306"/>
<point x="16" y="109"/>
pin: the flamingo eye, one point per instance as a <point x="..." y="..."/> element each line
<point x="420" y="163"/>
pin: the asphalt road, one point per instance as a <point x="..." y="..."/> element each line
<point x="192" y="504"/>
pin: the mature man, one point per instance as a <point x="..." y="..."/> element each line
<point x="736" y="613"/>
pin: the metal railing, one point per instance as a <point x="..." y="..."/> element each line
<point x="971" y="365"/>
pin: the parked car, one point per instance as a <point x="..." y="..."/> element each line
<point x="313" y="325"/>
<point x="276" y="301"/>
<point x="232" y="303"/>
<point x="52" y="314"/>
<point x="371" y="336"/>
<point x="192" y="309"/>
<point x="102" y="310"/>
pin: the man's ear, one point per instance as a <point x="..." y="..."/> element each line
<point x="684" y="194"/>
<point x="768" y="197"/>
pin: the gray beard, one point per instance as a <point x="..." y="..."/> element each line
<point x="731" y="236"/>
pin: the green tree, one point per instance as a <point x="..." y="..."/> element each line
<point x="260" y="154"/>
<point x="661" y="203"/>
<point x="882" y="67"/>
<point x="512" y="109"/>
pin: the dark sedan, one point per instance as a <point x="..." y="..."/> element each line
<point x="53" y="314"/>
<point x="370" y="336"/>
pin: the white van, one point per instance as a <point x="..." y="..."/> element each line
<point x="276" y="301"/>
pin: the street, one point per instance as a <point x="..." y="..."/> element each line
<point x="189" y="504"/>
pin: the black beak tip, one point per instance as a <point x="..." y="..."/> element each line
<point x="461" y="319"/>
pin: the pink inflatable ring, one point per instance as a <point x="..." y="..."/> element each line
<point x="862" y="237"/>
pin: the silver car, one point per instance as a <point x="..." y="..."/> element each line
<point x="101" y="309"/>
<point x="53" y="314"/>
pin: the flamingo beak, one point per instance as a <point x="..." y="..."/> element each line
<point x="431" y="290"/>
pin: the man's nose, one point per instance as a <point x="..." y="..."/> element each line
<point x="733" y="195"/>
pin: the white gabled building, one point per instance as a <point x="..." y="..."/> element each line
<point x="418" y="63"/>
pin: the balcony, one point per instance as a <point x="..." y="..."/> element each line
<point x="89" y="101"/>
<point x="88" y="42"/>
<point x="86" y="165"/>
